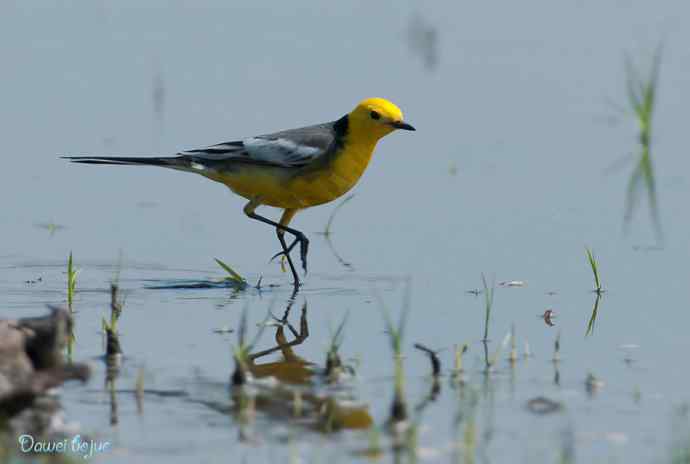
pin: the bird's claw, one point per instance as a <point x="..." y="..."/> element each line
<point x="303" y="250"/>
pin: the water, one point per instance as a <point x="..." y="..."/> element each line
<point x="506" y="175"/>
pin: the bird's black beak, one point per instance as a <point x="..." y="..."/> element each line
<point x="402" y="125"/>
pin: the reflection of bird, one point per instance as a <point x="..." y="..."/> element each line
<point x="292" y="368"/>
<point x="293" y="169"/>
<point x="308" y="399"/>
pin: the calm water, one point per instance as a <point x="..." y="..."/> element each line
<point x="518" y="121"/>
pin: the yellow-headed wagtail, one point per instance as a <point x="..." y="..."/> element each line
<point x="293" y="169"/>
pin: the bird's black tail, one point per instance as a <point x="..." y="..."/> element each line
<point x="168" y="162"/>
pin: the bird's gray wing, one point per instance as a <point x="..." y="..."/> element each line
<point x="290" y="148"/>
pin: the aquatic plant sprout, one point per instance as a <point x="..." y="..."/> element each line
<point x="232" y="275"/>
<point x="488" y="304"/>
<point x="595" y="270"/>
<point x="642" y="97"/>
<point x="71" y="281"/>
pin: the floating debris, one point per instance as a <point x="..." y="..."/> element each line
<point x="542" y="405"/>
<point x="647" y="248"/>
<point x="513" y="283"/>
<point x="548" y="316"/>
<point x="51" y="227"/>
<point x="147" y="204"/>
<point x="223" y="330"/>
<point x="628" y="348"/>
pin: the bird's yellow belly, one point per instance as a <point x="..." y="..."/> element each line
<point x="290" y="189"/>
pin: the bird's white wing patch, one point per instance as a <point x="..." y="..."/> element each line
<point x="291" y="148"/>
<point x="280" y="151"/>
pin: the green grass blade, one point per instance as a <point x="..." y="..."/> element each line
<point x="633" y="85"/>
<point x="488" y="302"/>
<point x="650" y="184"/>
<point x="593" y="318"/>
<point x="232" y="274"/>
<point x="337" y="336"/>
<point x="407" y="305"/>
<point x="650" y="88"/>
<point x="264" y="324"/>
<point x="595" y="269"/>
<point x="392" y="332"/>
<point x="631" y="197"/>
<point x="71" y="281"/>
<point x="643" y="96"/>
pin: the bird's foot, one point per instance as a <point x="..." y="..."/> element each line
<point x="303" y="250"/>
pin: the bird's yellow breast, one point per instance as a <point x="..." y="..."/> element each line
<point x="292" y="188"/>
<point x="335" y="179"/>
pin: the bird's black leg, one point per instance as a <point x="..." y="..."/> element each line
<point x="286" y="252"/>
<point x="285" y="219"/>
<point x="289" y="248"/>
<point x="281" y="228"/>
<point x="303" y="249"/>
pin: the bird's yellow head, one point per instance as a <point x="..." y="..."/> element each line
<point x="377" y="117"/>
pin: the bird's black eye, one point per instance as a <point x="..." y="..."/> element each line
<point x="375" y="115"/>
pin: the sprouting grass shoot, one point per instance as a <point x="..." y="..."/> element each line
<point x="595" y="270"/>
<point x="488" y="304"/>
<point x="71" y="281"/>
<point x="333" y="361"/>
<point x="460" y="350"/>
<point x="593" y="317"/>
<point x="490" y="362"/>
<point x="396" y="336"/>
<point x="232" y="276"/>
<point x="642" y="97"/>
<point x="242" y="349"/>
<point x="396" y="333"/>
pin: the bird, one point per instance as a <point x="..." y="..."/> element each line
<point x="293" y="169"/>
